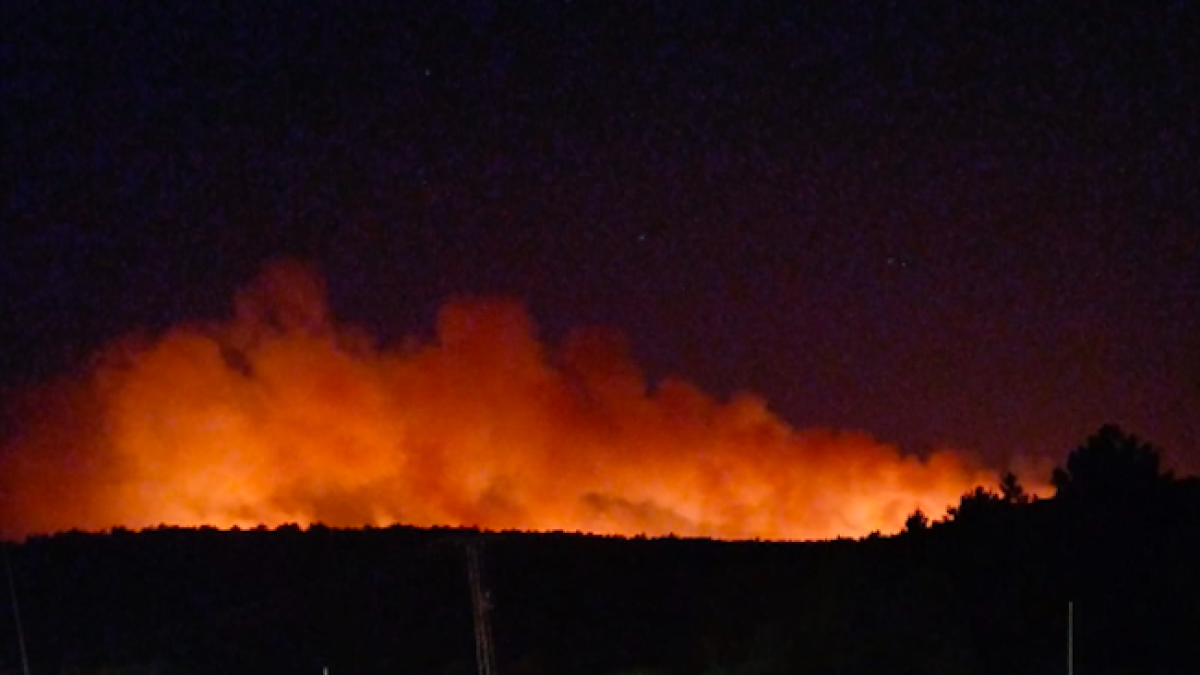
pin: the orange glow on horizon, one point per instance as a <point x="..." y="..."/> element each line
<point x="280" y="415"/>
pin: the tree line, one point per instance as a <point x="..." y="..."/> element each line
<point x="983" y="589"/>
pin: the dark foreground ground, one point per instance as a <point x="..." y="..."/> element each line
<point x="987" y="593"/>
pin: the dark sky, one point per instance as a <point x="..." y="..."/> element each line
<point x="940" y="222"/>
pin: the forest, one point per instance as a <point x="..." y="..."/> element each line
<point x="1101" y="575"/>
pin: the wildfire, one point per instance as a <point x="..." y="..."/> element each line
<point x="281" y="415"/>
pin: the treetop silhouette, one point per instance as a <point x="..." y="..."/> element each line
<point x="1111" y="464"/>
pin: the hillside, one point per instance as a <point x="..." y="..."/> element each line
<point x="986" y="593"/>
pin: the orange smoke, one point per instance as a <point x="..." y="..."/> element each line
<point x="281" y="415"/>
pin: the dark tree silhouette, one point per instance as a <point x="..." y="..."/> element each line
<point x="917" y="521"/>
<point x="1011" y="490"/>
<point x="976" y="506"/>
<point x="1110" y="464"/>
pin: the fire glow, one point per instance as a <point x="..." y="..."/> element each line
<point x="281" y="415"/>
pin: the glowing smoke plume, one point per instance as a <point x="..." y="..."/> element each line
<point x="280" y="415"/>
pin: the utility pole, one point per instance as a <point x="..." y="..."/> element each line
<point x="485" y="658"/>
<point x="1070" y="637"/>
<point x="12" y="594"/>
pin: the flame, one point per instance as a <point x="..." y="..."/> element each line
<point x="281" y="415"/>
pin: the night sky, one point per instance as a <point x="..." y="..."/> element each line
<point x="939" y="222"/>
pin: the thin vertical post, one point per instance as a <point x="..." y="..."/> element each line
<point x="484" y="652"/>
<point x="16" y="609"/>
<point x="1070" y="637"/>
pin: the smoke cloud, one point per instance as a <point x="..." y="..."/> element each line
<point x="282" y="415"/>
